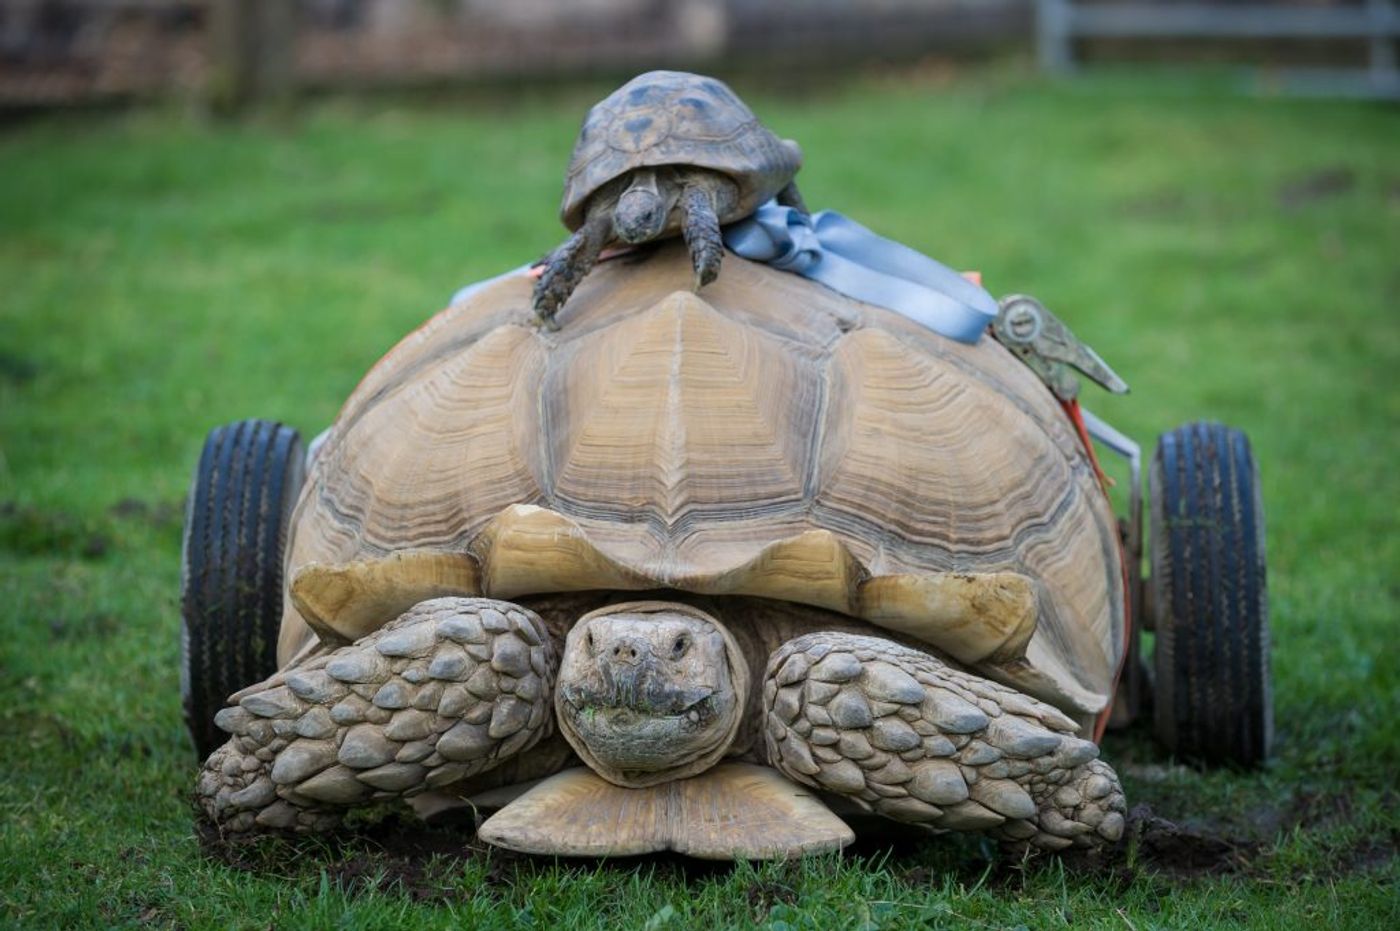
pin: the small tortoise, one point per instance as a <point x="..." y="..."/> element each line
<point x="667" y="151"/>
<point x="678" y="558"/>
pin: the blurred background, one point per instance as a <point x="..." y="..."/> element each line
<point x="231" y="208"/>
<point x="231" y="52"/>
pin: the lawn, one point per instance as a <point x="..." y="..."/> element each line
<point x="1234" y="259"/>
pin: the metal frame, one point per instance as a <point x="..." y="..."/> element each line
<point x="1125" y="447"/>
<point x="1132" y="685"/>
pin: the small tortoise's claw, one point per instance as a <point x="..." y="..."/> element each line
<point x="449" y="689"/>
<point x="546" y="300"/>
<point x="569" y="264"/>
<point x="707" y="267"/>
<point x="916" y="740"/>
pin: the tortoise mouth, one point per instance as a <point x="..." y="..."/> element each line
<point x="643" y="699"/>
<point x="645" y="743"/>
<point x="695" y="711"/>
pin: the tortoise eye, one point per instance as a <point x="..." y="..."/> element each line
<point x="588" y="641"/>
<point x="680" y="646"/>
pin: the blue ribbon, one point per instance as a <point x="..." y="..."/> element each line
<point x="846" y="257"/>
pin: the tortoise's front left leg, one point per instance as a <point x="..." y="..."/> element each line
<point x="700" y="227"/>
<point x="451" y="688"/>
<point x="916" y="740"/>
<point x="789" y="196"/>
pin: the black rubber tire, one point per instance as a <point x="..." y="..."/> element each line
<point x="236" y="518"/>
<point x="1214" y="698"/>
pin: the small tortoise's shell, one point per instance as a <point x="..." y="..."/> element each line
<point x="766" y="438"/>
<point x="674" y="118"/>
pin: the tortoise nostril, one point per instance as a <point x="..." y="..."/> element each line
<point x="626" y="651"/>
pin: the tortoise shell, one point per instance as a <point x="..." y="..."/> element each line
<point x="772" y="438"/>
<point x="674" y="118"/>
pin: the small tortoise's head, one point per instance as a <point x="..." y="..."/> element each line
<point x="644" y="205"/>
<point x="650" y="691"/>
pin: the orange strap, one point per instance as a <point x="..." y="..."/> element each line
<point x="1077" y="418"/>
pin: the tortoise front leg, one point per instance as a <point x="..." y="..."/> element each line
<point x="451" y="688"/>
<point x="567" y="265"/>
<point x="914" y="739"/>
<point x="700" y="227"/>
<point x="790" y="197"/>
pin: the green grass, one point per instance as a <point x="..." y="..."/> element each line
<point x="1234" y="259"/>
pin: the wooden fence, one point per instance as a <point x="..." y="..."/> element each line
<point x="1376" y="22"/>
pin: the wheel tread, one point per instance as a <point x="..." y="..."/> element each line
<point x="247" y="479"/>
<point x="1213" y="691"/>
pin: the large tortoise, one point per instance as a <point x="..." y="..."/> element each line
<point x="709" y="547"/>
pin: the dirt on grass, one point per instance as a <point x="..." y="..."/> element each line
<point x="398" y="852"/>
<point x="1316" y="186"/>
<point x="29" y="531"/>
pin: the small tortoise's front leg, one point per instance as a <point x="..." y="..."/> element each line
<point x="789" y="196"/>
<point x="700" y="227"/>
<point x="919" y="741"/>
<point x="452" y="687"/>
<point x="567" y="265"/>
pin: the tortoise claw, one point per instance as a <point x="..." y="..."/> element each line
<point x="567" y="265"/>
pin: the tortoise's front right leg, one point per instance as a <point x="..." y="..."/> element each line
<point x="452" y="687"/>
<point x="914" y="739"/>
<point x="567" y="265"/>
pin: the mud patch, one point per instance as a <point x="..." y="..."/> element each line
<point x="423" y="878"/>
<point x="1323" y="810"/>
<point x="1176" y="850"/>
<point x="1370" y="855"/>
<point x="96" y="625"/>
<point x="398" y="853"/>
<point x="1315" y="186"/>
<point x="395" y="854"/>
<point x="158" y="515"/>
<point x="30" y="531"/>
<point x="16" y="369"/>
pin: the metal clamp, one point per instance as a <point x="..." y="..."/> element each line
<point x="1049" y="348"/>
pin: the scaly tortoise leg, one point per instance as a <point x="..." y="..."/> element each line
<point x="700" y="227"/>
<point x="789" y="196"/>
<point x="452" y="687"/>
<point x="914" y="739"/>
<point x="567" y="265"/>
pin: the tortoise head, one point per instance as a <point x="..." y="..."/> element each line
<point x="645" y="205"/>
<point x="650" y="691"/>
